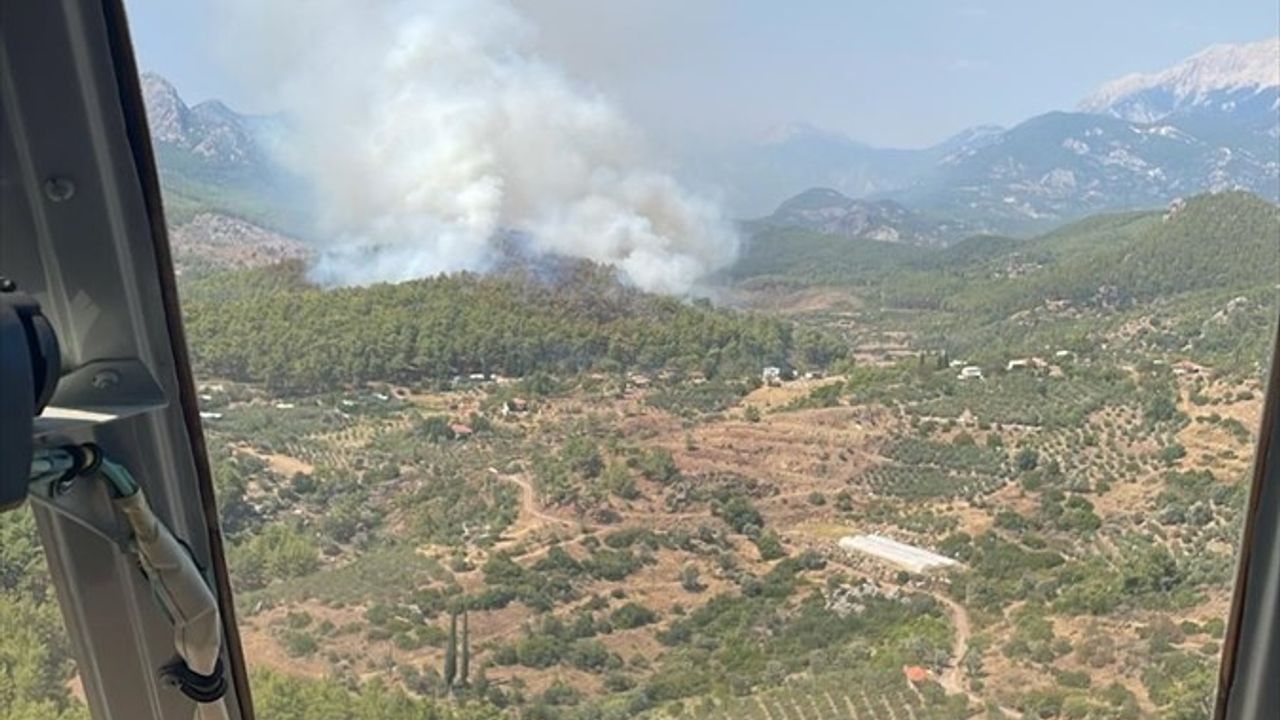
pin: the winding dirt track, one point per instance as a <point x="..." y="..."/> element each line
<point x="953" y="679"/>
<point x="532" y="514"/>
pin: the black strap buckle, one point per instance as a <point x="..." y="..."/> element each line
<point x="201" y="688"/>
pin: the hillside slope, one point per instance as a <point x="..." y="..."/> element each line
<point x="1200" y="276"/>
<point x="829" y="212"/>
<point x="250" y="326"/>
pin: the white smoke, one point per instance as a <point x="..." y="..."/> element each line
<point x="428" y="128"/>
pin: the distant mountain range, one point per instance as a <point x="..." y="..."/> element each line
<point x="755" y="177"/>
<point x="1210" y="123"/>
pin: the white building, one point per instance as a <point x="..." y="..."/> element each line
<point x="771" y="375"/>
<point x="1029" y="363"/>
<point x="970" y="372"/>
<point x="900" y="555"/>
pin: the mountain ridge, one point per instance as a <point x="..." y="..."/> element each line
<point x="829" y="212"/>
<point x="1217" y="72"/>
<point x="1132" y="144"/>
<point x="1216" y="129"/>
<point x="1208" y="241"/>
<point x="213" y="159"/>
<point x="208" y="129"/>
<point x="1060" y="166"/>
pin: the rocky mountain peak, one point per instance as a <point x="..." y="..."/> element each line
<point x="1216" y="75"/>
<point x="210" y="130"/>
<point x="168" y="116"/>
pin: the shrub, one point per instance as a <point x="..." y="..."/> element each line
<point x="770" y="546"/>
<point x="633" y="615"/>
<point x="298" y="643"/>
<point x="658" y="465"/>
<point x="690" y="579"/>
<point x="1027" y="459"/>
<point x="739" y="513"/>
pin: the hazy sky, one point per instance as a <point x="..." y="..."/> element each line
<point x="905" y="73"/>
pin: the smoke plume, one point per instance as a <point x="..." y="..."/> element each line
<point x="429" y="128"/>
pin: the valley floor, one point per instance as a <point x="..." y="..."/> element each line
<point x="597" y="473"/>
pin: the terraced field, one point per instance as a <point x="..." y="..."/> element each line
<point x="1026" y="400"/>
<point x="920" y="469"/>
<point x="919" y="482"/>
<point x="838" y="697"/>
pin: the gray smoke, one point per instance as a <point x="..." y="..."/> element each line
<point x="429" y="127"/>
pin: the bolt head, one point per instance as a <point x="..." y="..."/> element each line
<point x="105" y="379"/>
<point x="59" y="189"/>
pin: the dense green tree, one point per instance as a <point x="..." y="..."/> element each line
<point x="451" y="653"/>
<point x="280" y="552"/>
<point x="464" y="671"/>
<point x="290" y="335"/>
<point x="35" y="655"/>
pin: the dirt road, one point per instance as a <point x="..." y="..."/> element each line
<point x="953" y="680"/>
<point x="532" y="516"/>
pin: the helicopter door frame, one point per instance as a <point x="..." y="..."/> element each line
<point x="84" y="233"/>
